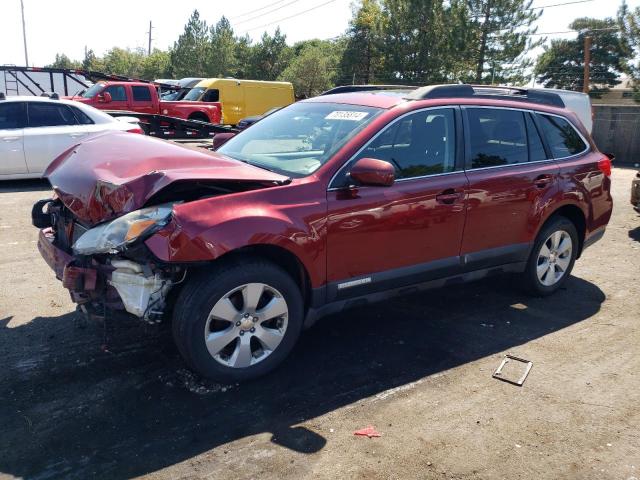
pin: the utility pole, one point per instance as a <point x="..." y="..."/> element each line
<point x="587" y="62"/>
<point x="150" y="28"/>
<point x="24" y="36"/>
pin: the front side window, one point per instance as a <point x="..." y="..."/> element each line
<point x="419" y="144"/>
<point x="93" y="90"/>
<point x="194" y="94"/>
<point x="496" y="137"/>
<point x="50" y="115"/>
<point x="563" y="139"/>
<point x="12" y="115"/>
<point x="141" y="94"/>
<point x="117" y="92"/>
<point x="300" y="138"/>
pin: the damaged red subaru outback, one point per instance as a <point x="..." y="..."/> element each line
<point x="329" y="203"/>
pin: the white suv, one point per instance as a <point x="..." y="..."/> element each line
<point x="35" y="130"/>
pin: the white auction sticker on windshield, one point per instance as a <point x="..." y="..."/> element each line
<point x="345" y="115"/>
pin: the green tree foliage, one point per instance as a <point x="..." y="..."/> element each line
<point x="190" y="54"/>
<point x="562" y="63"/>
<point x="502" y="31"/>
<point x="363" y="56"/>
<point x="62" y="61"/>
<point x="222" y="52"/>
<point x="270" y="56"/>
<point x="312" y="69"/>
<point x="629" y="23"/>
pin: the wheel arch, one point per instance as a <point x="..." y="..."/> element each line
<point x="280" y="256"/>
<point x="200" y="116"/>
<point x="574" y="214"/>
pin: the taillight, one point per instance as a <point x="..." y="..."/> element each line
<point x="136" y="130"/>
<point x="604" y="165"/>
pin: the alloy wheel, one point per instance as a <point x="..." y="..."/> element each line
<point x="246" y="325"/>
<point x="554" y="258"/>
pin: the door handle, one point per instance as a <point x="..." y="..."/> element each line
<point x="10" y="139"/>
<point x="542" y="181"/>
<point x="76" y="135"/>
<point x="448" y="196"/>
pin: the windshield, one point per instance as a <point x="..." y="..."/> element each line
<point x="195" y="94"/>
<point x="297" y="140"/>
<point x="94" y="90"/>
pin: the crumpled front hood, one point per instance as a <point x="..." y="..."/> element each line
<point x="113" y="173"/>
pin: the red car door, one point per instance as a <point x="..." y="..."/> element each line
<point x="118" y="97"/>
<point x="384" y="237"/>
<point x="142" y="99"/>
<point x="510" y="183"/>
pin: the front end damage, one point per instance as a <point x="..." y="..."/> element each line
<point x="114" y="191"/>
<point x="122" y="279"/>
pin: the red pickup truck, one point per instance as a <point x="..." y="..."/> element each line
<point x="143" y="98"/>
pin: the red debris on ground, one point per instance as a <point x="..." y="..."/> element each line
<point x="368" y="432"/>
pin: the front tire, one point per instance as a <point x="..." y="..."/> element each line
<point x="552" y="257"/>
<point x="238" y="322"/>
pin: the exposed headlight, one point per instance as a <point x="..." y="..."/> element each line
<point x="111" y="236"/>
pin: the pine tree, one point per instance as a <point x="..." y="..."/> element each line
<point x="190" y="53"/>
<point x="504" y="31"/>
<point x="270" y="56"/>
<point x="222" y="55"/>
<point x="363" y="57"/>
<point x="562" y="63"/>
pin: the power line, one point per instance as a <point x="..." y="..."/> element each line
<point x="559" y="4"/>
<point x="267" y="12"/>
<point x="290" y="16"/>
<point x="250" y="12"/>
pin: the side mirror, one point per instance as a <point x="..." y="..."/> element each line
<point x="105" y="97"/>
<point x="373" y="172"/>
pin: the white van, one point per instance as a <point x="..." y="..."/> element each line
<point x="578" y="102"/>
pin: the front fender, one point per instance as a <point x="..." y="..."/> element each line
<point x="185" y="240"/>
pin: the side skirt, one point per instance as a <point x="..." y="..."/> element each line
<point x="339" y="305"/>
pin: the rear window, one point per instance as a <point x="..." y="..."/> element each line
<point x="563" y="139"/>
<point x="83" y="118"/>
<point x="12" y="115"/>
<point x="141" y="94"/>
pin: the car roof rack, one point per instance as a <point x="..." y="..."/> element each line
<point x="487" y="91"/>
<point x="365" y="88"/>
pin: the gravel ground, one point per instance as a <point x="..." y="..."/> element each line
<point x="113" y="399"/>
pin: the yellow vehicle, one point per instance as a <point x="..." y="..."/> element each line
<point x="242" y="98"/>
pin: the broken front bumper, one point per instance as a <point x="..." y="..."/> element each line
<point x="119" y="285"/>
<point x="81" y="281"/>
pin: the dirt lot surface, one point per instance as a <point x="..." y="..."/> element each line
<point x="82" y="400"/>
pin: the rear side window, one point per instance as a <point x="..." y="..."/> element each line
<point x="12" y="115"/>
<point x="141" y="94"/>
<point x="563" y="139"/>
<point x="83" y="118"/>
<point x="117" y="92"/>
<point x="536" y="149"/>
<point x="50" y="115"/>
<point x="497" y="137"/>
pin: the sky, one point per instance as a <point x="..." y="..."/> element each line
<point x="67" y="26"/>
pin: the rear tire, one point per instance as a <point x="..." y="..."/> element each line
<point x="552" y="257"/>
<point x="238" y="322"/>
